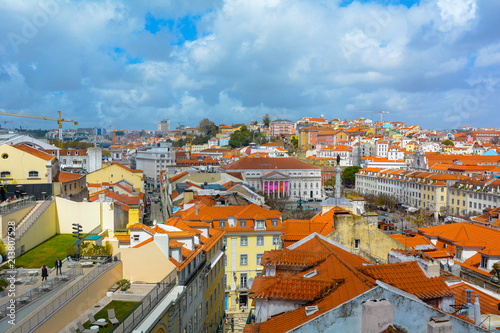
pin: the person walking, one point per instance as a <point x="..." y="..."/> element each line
<point x="45" y="273"/>
<point x="232" y="324"/>
<point x="58" y="266"/>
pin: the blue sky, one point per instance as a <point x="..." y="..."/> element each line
<point x="129" y="64"/>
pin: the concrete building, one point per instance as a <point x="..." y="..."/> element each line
<point x="280" y="177"/>
<point x="89" y="159"/>
<point x="153" y="160"/>
<point x="164" y="126"/>
<point x="280" y="127"/>
<point x="249" y="231"/>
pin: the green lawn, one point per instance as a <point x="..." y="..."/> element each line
<point x="121" y="309"/>
<point x="46" y="253"/>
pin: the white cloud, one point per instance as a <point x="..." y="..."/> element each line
<point x="292" y="57"/>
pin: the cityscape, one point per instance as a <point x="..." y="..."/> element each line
<point x="249" y="166"/>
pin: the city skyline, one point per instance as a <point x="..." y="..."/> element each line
<point x="125" y="65"/>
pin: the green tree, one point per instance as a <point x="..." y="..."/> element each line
<point x="295" y="143"/>
<point x="266" y="120"/>
<point x="207" y="127"/>
<point x="330" y="182"/>
<point x="447" y="143"/>
<point x="349" y="174"/>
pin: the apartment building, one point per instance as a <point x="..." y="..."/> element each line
<point x="249" y="231"/>
<point x="280" y="127"/>
<point x="153" y="160"/>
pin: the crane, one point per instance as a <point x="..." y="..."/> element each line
<point x="381" y="113"/>
<point x="59" y="120"/>
<point x="5" y="123"/>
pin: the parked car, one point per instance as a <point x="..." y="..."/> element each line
<point x="384" y="214"/>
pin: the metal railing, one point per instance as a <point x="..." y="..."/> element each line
<point x="137" y="314"/>
<point x="23" y="227"/>
<point x="10" y="207"/>
<point x="50" y="309"/>
<point x="40" y="291"/>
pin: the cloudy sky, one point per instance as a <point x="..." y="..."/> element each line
<point x="129" y="64"/>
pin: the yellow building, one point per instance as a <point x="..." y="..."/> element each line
<point x="249" y="231"/>
<point x="21" y="164"/>
<point x="116" y="172"/>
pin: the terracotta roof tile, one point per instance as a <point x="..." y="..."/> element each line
<point x="291" y="288"/>
<point x="268" y="163"/>
<point x="488" y="303"/>
<point x="62" y="177"/>
<point x="409" y="277"/>
<point x="34" y="152"/>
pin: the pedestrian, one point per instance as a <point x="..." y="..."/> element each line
<point x="45" y="273"/>
<point x="58" y="266"/>
<point x="232" y="324"/>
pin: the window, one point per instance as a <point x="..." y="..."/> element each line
<point x="225" y="260"/>
<point x="224" y="241"/>
<point x="274" y="223"/>
<point x="458" y="253"/>
<point x="484" y="262"/>
<point x="276" y="240"/>
<point x="33" y="174"/>
<point x="243" y="280"/>
<point x="260" y="240"/>
<point x="260" y="225"/>
<point x="243" y="240"/>
<point x="243" y="223"/>
<point x="356" y="243"/>
<point x="5" y="174"/>
<point x="244" y="259"/>
<point x="222" y="224"/>
<point x="259" y="258"/>
<point x="136" y="237"/>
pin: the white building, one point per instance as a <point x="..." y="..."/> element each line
<point x="280" y="126"/>
<point x="154" y="160"/>
<point x="164" y="126"/>
<point x="345" y="153"/>
<point x="280" y="177"/>
<point x="381" y="148"/>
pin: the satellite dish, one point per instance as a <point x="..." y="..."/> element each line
<point x="443" y="262"/>
<point x="250" y="282"/>
<point x="451" y="262"/>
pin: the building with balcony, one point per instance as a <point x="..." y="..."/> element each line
<point x="153" y="160"/>
<point x="249" y="231"/>
<point x="280" y="127"/>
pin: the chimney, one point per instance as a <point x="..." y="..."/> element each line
<point x="477" y="311"/>
<point x="196" y="209"/>
<point x="468" y="304"/>
<point x="439" y="325"/>
<point x="376" y="315"/>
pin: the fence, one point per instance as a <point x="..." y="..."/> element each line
<point x="23" y="227"/>
<point x="137" y="314"/>
<point x="46" y="287"/>
<point x="46" y="312"/>
<point x="10" y="207"/>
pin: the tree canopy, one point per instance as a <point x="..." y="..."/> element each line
<point x="243" y="137"/>
<point x="266" y="120"/>
<point x="447" y="143"/>
<point x="349" y="174"/>
<point x="207" y="127"/>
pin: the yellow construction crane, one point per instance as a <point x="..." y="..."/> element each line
<point x="381" y="113"/>
<point x="59" y="120"/>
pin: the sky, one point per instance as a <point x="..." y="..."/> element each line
<point x="130" y="64"/>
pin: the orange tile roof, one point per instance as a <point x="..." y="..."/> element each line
<point x="409" y="277"/>
<point x="488" y="303"/>
<point x="294" y="230"/>
<point x="174" y="243"/>
<point x="62" y="177"/>
<point x="336" y="268"/>
<point x="141" y="226"/>
<point x="291" y="288"/>
<point x="149" y="240"/>
<point x="412" y="242"/>
<point x="123" y="238"/>
<point x="293" y="258"/>
<point x="175" y="178"/>
<point x="268" y="163"/>
<point x="34" y="152"/>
